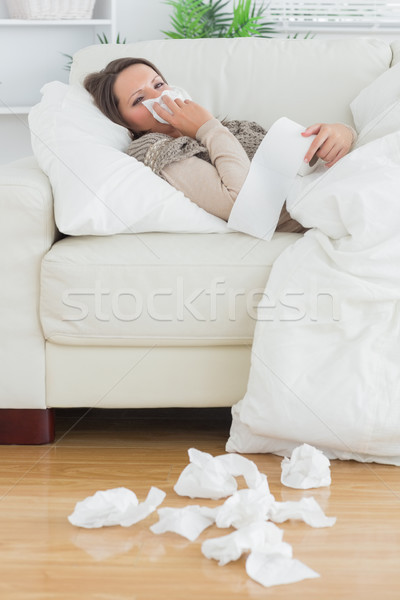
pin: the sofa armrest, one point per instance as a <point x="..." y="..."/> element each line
<point x="27" y="231"/>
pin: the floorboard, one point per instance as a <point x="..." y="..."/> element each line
<point x="43" y="557"/>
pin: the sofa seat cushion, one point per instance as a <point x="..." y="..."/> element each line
<point x="156" y="288"/>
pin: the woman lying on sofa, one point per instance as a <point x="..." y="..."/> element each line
<point x="208" y="160"/>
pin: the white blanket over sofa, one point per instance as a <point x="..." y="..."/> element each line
<point x="325" y="363"/>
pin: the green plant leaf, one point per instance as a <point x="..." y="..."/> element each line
<point x="188" y="19"/>
<point x="103" y="39"/>
<point x="68" y="64"/>
<point x="201" y="19"/>
<point x="248" y="20"/>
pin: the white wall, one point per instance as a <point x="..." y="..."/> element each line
<point x="142" y="19"/>
<point x="136" y="20"/>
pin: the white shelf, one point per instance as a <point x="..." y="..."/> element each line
<point x="48" y="22"/>
<point x="34" y="52"/>
<point x="14" y="110"/>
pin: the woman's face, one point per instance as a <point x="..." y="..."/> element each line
<point x="133" y="85"/>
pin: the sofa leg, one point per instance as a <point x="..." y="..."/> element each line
<point x="26" y="426"/>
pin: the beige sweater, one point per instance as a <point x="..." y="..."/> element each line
<point x="214" y="187"/>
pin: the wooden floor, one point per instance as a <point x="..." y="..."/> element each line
<point x="43" y="557"/>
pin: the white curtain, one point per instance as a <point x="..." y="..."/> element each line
<point x="294" y="14"/>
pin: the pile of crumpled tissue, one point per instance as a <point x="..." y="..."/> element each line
<point x="252" y="511"/>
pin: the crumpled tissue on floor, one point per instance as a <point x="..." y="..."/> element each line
<point x="307" y="468"/>
<point x="251" y="511"/>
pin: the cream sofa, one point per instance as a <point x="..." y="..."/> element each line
<point x="156" y="319"/>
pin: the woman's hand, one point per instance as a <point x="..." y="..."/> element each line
<point x="332" y="142"/>
<point x="187" y="116"/>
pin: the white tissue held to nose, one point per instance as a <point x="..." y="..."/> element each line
<point x="174" y="93"/>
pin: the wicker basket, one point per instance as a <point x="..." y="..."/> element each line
<point x="50" y="9"/>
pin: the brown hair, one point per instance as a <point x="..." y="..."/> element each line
<point x="101" y="86"/>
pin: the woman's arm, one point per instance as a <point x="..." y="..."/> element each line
<point x="214" y="187"/>
<point x="227" y="155"/>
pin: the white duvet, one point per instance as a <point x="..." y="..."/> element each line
<point x="325" y="366"/>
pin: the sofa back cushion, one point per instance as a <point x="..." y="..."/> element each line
<point x="258" y="79"/>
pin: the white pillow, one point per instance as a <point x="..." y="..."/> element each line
<point x="98" y="189"/>
<point x="376" y="109"/>
<point x="385" y="123"/>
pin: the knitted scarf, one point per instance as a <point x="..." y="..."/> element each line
<point x="157" y="150"/>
